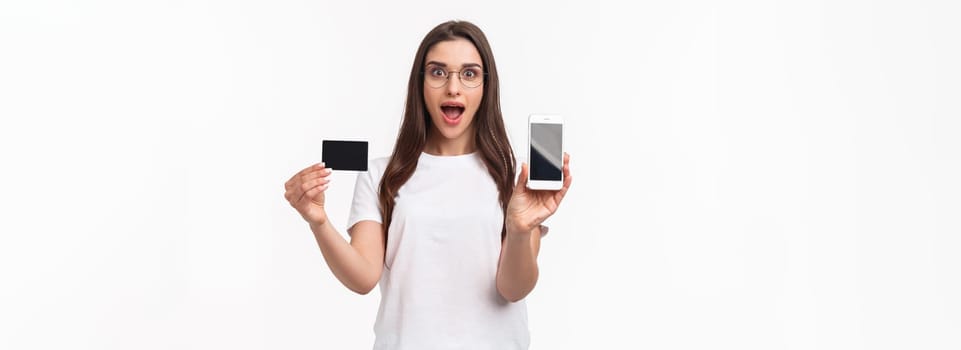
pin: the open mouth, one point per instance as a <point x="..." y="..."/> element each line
<point x="452" y="111"/>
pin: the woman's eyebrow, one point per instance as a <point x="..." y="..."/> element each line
<point x="465" y="65"/>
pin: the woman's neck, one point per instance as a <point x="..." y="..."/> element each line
<point x="438" y="145"/>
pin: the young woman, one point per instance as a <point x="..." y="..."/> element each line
<point x="441" y="224"/>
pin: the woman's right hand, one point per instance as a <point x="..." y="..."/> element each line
<point x="305" y="192"/>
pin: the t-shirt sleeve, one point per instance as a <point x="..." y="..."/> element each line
<point x="365" y="205"/>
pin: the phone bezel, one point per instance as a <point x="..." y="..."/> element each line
<point x="538" y="118"/>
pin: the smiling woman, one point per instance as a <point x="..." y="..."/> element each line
<point x="440" y="225"/>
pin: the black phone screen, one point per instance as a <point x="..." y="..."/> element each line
<point x="546" y="152"/>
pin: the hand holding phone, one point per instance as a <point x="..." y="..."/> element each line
<point x="545" y="152"/>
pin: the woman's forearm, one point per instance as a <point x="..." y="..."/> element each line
<point x="348" y="265"/>
<point x="517" y="270"/>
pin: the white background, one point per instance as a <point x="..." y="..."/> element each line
<point x="747" y="174"/>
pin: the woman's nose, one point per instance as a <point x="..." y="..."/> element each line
<point x="453" y="87"/>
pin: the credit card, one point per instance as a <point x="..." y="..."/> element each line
<point x="344" y="155"/>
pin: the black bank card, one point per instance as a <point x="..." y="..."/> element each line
<point x="344" y="155"/>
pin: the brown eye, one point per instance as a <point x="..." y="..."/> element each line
<point x="437" y="72"/>
<point x="470" y="74"/>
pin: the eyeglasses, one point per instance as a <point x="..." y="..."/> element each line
<point x="437" y="77"/>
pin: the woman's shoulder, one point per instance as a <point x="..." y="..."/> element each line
<point x="376" y="167"/>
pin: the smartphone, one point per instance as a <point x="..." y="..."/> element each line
<point x="545" y="157"/>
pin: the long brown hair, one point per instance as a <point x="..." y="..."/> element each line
<point x="490" y="136"/>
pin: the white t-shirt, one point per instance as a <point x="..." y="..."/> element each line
<point x="438" y="288"/>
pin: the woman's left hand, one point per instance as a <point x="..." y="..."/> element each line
<point x="529" y="208"/>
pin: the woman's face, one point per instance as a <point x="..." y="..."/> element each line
<point x="453" y="105"/>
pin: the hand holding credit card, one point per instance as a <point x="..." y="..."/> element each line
<point x="345" y="155"/>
